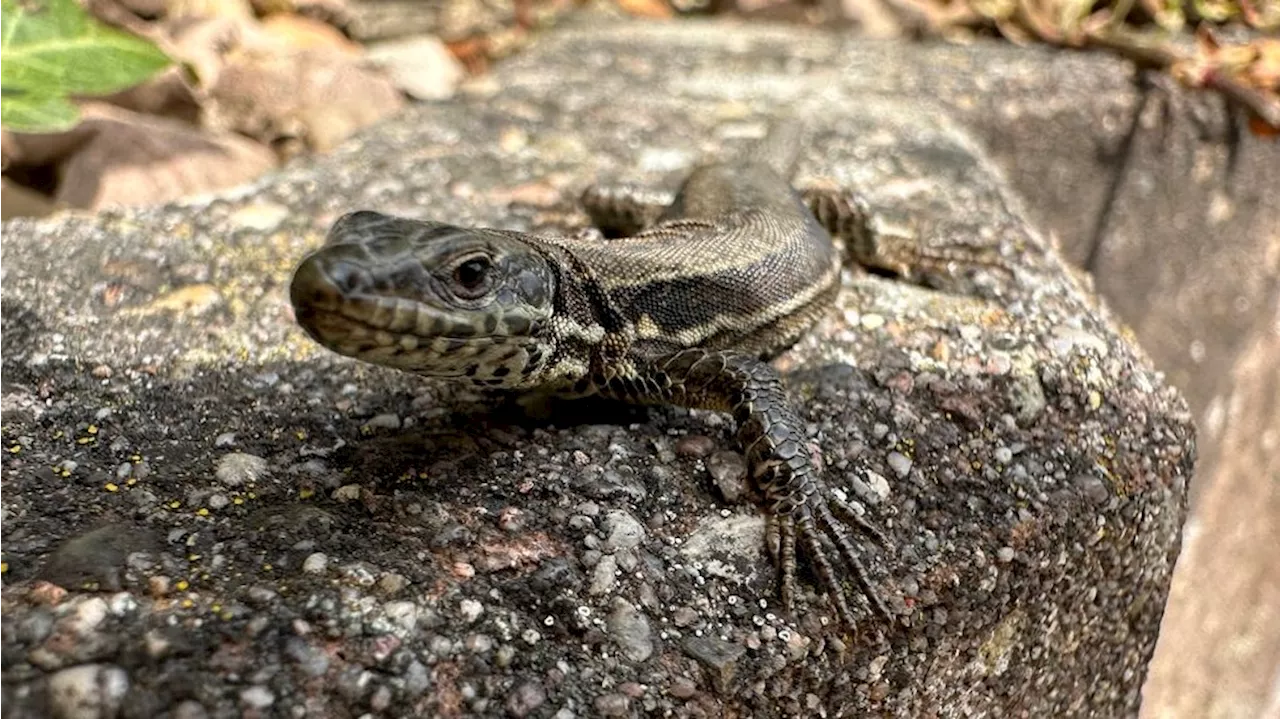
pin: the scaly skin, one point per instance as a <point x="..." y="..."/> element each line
<point x="683" y="309"/>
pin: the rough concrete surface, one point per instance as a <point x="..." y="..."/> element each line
<point x="206" y="515"/>
<point x="1170" y="203"/>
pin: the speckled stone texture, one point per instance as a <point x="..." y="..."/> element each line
<point x="205" y="515"/>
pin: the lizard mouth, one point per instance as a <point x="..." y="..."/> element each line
<point x="404" y="333"/>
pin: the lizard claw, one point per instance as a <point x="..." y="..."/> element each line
<point x="822" y="521"/>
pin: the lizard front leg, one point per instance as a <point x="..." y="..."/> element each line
<point x="772" y="436"/>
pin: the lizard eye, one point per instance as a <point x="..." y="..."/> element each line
<point x="471" y="277"/>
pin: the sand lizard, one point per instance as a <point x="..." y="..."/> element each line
<point x="684" y="305"/>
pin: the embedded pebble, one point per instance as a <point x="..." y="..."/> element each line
<point x="381" y="699"/>
<point x="353" y="682"/>
<point x="729" y="471"/>
<point x="416" y="679"/>
<point x="121" y="603"/>
<point x="612" y="705"/>
<point x="479" y="643"/>
<point x="604" y="577"/>
<point x="684" y="616"/>
<point x="719" y="657"/>
<point x="89" y="614"/>
<point x="316" y="563"/>
<point x="797" y="646"/>
<point x="1005" y="555"/>
<point x="1094" y="489"/>
<point x="470" y="610"/>
<point x="312" y="660"/>
<point x="359" y="573"/>
<point x="525" y="699"/>
<point x="624" y="531"/>
<point x="190" y="709"/>
<point x="630" y="629"/>
<point x="347" y="493"/>
<point x="511" y="519"/>
<point x="239" y="468"/>
<point x="1003" y="455"/>
<point x="899" y="463"/>
<point x="404" y="614"/>
<point x="683" y="688"/>
<point x="391" y="583"/>
<point x="627" y="560"/>
<point x="1066" y="340"/>
<point x="33" y="628"/>
<point x="696" y="446"/>
<point x="714" y="537"/>
<point x="257" y="697"/>
<point x="1026" y="395"/>
<point x="88" y="691"/>
<point x="384" y="421"/>
<point x="878" y="485"/>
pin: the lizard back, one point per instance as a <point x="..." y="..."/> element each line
<point x="736" y="261"/>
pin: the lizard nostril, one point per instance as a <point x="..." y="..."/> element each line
<point x="323" y="283"/>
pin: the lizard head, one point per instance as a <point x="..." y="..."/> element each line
<point x="429" y="298"/>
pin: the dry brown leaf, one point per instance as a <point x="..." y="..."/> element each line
<point x="203" y="44"/>
<point x="646" y="8"/>
<point x="874" y="18"/>
<point x="1264" y="73"/>
<point x="320" y="96"/>
<point x="195" y="9"/>
<point x="121" y="15"/>
<point x="167" y="94"/>
<point x="19" y="201"/>
<point x="1261" y="128"/>
<point x="421" y="66"/>
<point x="303" y="32"/>
<point x="333" y="12"/>
<point x="256" y="80"/>
<point x="473" y="53"/>
<point x="131" y="159"/>
<point x="144" y="8"/>
<point x="34" y="149"/>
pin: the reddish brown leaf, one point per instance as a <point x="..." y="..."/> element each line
<point x="125" y="158"/>
<point x="303" y="32"/>
<point x="646" y="8"/>
<point x="320" y="96"/>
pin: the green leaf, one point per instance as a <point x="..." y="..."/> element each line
<point x="52" y="49"/>
<point x="25" y="112"/>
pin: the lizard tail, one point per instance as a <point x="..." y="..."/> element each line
<point x="780" y="149"/>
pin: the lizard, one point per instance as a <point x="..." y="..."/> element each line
<point x="679" y="300"/>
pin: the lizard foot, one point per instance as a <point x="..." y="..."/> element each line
<point x="824" y="519"/>
<point x="872" y="243"/>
